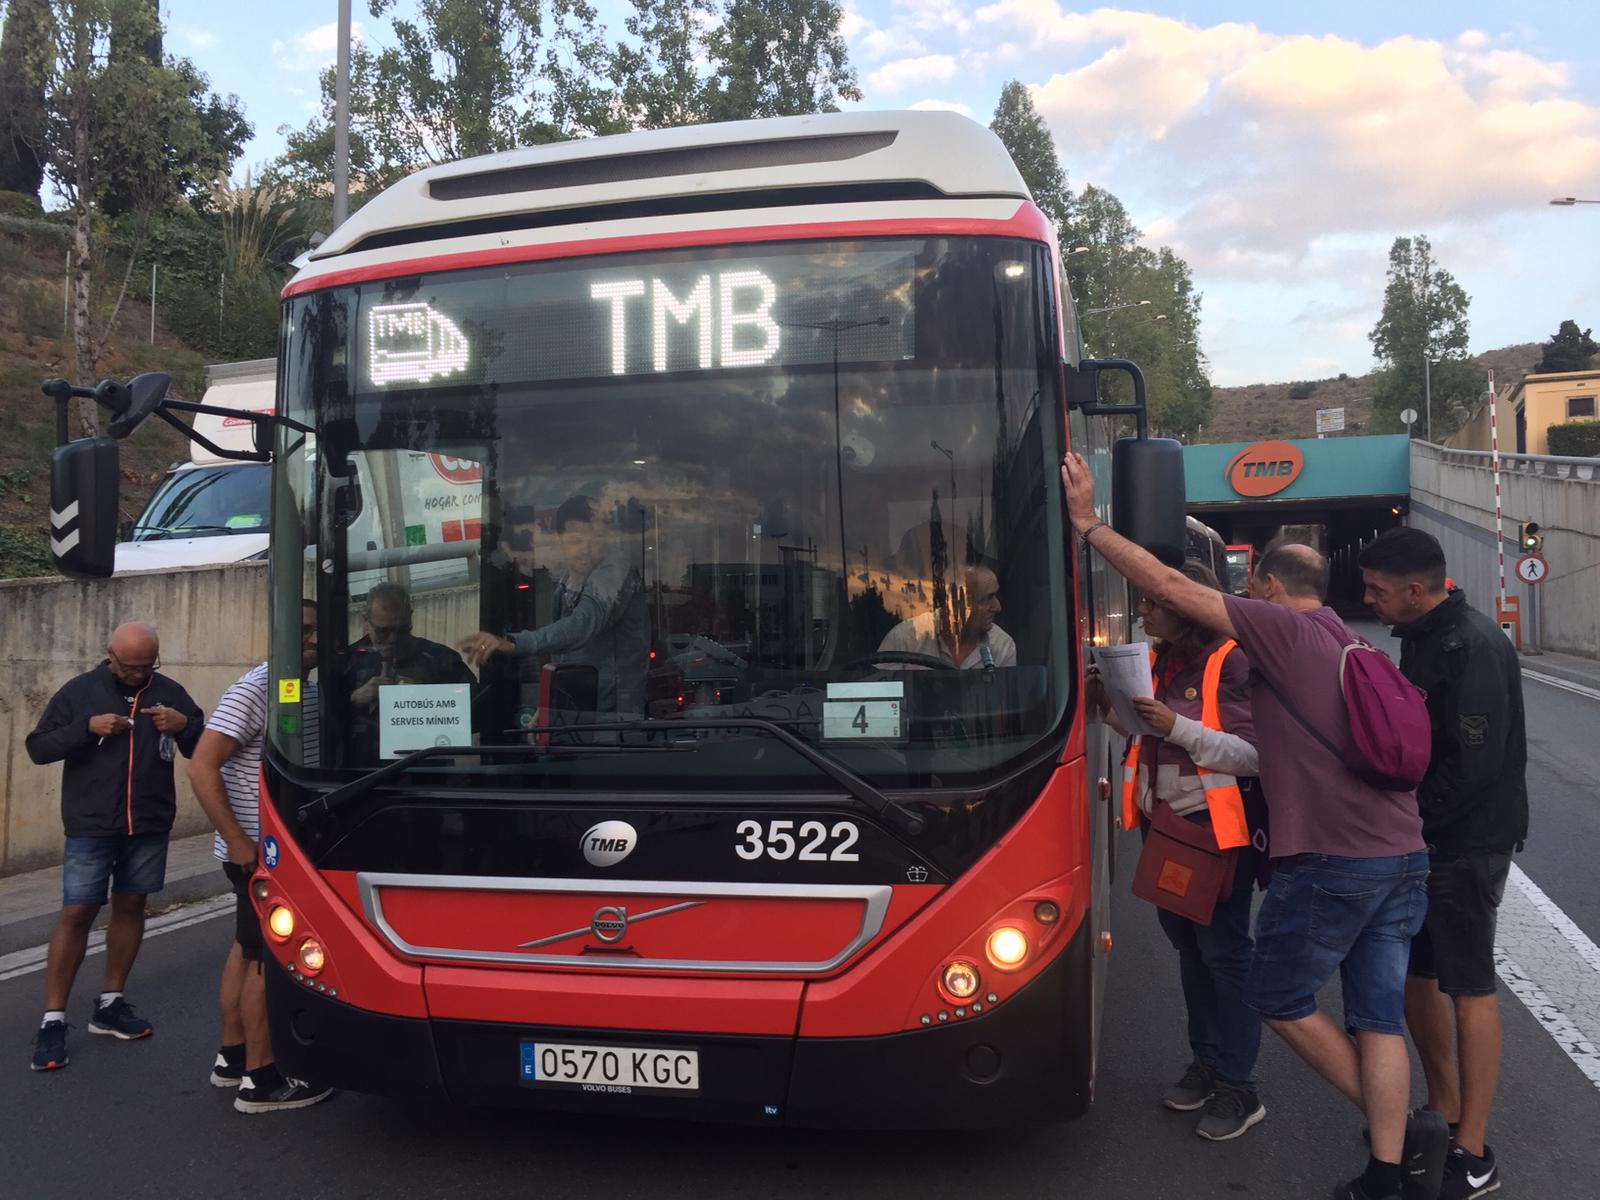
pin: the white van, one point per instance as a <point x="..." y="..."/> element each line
<point x="211" y="510"/>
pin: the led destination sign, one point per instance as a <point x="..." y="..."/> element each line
<point x="541" y="323"/>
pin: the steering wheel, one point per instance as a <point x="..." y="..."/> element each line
<point x="909" y="658"/>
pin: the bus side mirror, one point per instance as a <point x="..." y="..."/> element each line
<point x="85" y="480"/>
<point x="1148" y="498"/>
<point x="143" y="396"/>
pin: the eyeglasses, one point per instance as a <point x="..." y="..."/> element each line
<point x="149" y="668"/>
<point x="389" y="631"/>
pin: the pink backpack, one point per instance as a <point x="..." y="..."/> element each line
<point x="1391" y="738"/>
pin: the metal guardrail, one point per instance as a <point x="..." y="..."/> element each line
<point x="1549" y="466"/>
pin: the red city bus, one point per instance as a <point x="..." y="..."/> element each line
<point x="784" y="809"/>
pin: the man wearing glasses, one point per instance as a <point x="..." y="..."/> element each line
<point x="389" y="653"/>
<point x="116" y="730"/>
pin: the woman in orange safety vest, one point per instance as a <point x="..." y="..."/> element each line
<point x="1204" y="747"/>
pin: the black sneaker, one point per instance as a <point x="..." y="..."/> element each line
<point x="1426" y="1147"/>
<point x="50" y="1047"/>
<point x="226" y="1072"/>
<point x="118" y="1020"/>
<point x="1193" y="1090"/>
<point x="1466" y="1176"/>
<point x="291" y="1093"/>
<point x="1354" y="1191"/>
<point x="1230" y="1111"/>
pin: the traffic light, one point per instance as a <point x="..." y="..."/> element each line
<point x="1529" y="538"/>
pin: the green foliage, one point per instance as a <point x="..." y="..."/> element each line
<point x="19" y="204"/>
<point x="1575" y="439"/>
<point x="1027" y="139"/>
<point x="1569" y="349"/>
<point x="15" y="481"/>
<point x="24" y="553"/>
<point x="24" y="47"/>
<point x="1455" y="385"/>
<point x="778" y="58"/>
<point x="38" y="311"/>
<point x="1424" y="319"/>
<point x="1302" y="390"/>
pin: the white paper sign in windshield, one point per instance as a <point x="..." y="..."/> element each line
<point x="414" y="716"/>
<point x="537" y="322"/>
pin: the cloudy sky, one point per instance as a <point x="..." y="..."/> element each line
<point x="1279" y="148"/>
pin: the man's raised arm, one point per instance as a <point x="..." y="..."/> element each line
<point x="1156" y="580"/>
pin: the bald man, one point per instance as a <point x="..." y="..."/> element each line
<point x="1350" y="869"/>
<point x="116" y="731"/>
<point x="978" y="643"/>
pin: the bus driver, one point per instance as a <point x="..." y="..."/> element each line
<point x="599" y="618"/>
<point x="978" y="643"/>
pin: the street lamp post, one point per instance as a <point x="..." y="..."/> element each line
<point x="1569" y="201"/>
<point x="341" y="119"/>
<point x="1115" y="308"/>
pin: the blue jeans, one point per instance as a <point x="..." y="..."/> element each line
<point x="1356" y="916"/>
<point x="133" y="864"/>
<point x="1213" y="963"/>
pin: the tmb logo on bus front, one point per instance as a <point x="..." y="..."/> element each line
<point x="1264" y="468"/>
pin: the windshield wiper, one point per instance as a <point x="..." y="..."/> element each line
<point x="175" y="530"/>
<point x="860" y="789"/>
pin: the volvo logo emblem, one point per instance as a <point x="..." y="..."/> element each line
<point x="608" y="843"/>
<point x="610" y="924"/>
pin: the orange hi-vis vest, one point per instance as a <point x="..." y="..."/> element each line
<point x="1223" y="800"/>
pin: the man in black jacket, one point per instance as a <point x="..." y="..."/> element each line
<point x="116" y="730"/>
<point x="1474" y="803"/>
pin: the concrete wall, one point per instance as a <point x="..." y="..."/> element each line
<point x="213" y="625"/>
<point x="1452" y="497"/>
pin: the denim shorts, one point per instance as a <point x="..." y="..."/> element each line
<point x="1356" y="916"/>
<point x="133" y="864"/>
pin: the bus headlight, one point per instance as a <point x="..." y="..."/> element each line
<point x="960" y="980"/>
<point x="280" y="923"/>
<point x="312" y="957"/>
<point x="1007" y="947"/>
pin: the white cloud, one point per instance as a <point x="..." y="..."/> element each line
<point x="942" y="106"/>
<point x="312" y="50"/>
<point x="935" y="15"/>
<point x="200" y="39"/>
<point x="1257" y="146"/>
<point x="906" y="72"/>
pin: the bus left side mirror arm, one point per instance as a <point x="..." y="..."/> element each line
<point x="1083" y="391"/>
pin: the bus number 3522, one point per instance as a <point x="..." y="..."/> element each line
<point x="812" y="842"/>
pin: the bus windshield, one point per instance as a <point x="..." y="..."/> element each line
<point x="208" y="502"/>
<point x="811" y="483"/>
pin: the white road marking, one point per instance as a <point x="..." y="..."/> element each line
<point x="1566" y="685"/>
<point x="1553" y="967"/>
<point x="22" y="962"/>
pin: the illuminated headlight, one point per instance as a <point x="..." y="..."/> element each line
<point x="280" y="923"/>
<point x="960" y="980"/>
<point x="1007" y="948"/>
<point x="1014" y="270"/>
<point x="312" y="956"/>
<point x="258" y="889"/>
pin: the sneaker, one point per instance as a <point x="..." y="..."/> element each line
<point x="1354" y="1191"/>
<point x="118" y="1020"/>
<point x="291" y="1093"/>
<point x="1230" y="1111"/>
<point x="1426" y="1147"/>
<point x="1466" y="1176"/>
<point x="1193" y="1090"/>
<point x="226" y="1072"/>
<point x="50" y="1047"/>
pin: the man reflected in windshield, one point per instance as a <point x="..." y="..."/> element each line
<point x="968" y="641"/>
<point x="599" y="618"/>
<point x="389" y="653"/>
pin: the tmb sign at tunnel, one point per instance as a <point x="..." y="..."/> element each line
<point x="1264" y="468"/>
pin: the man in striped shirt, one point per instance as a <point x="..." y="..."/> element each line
<point x="226" y="774"/>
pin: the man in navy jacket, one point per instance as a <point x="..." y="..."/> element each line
<point x="116" y="730"/>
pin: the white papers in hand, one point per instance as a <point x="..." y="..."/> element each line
<point x="1125" y="671"/>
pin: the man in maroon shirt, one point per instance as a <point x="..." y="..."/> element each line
<point x="1348" y="888"/>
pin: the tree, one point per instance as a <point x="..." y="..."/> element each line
<point x="24" y="50"/>
<point x="1027" y="139"/>
<point x="1570" y="349"/>
<point x="778" y="58"/>
<point x="1423" y="325"/>
<point x="103" y="120"/>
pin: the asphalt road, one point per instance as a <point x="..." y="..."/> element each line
<point x="140" y="1120"/>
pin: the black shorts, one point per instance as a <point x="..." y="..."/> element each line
<point x="247" y="926"/>
<point x="1456" y="944"/>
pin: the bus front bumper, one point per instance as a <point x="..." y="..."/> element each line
<point x="1028" y="1059"/>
